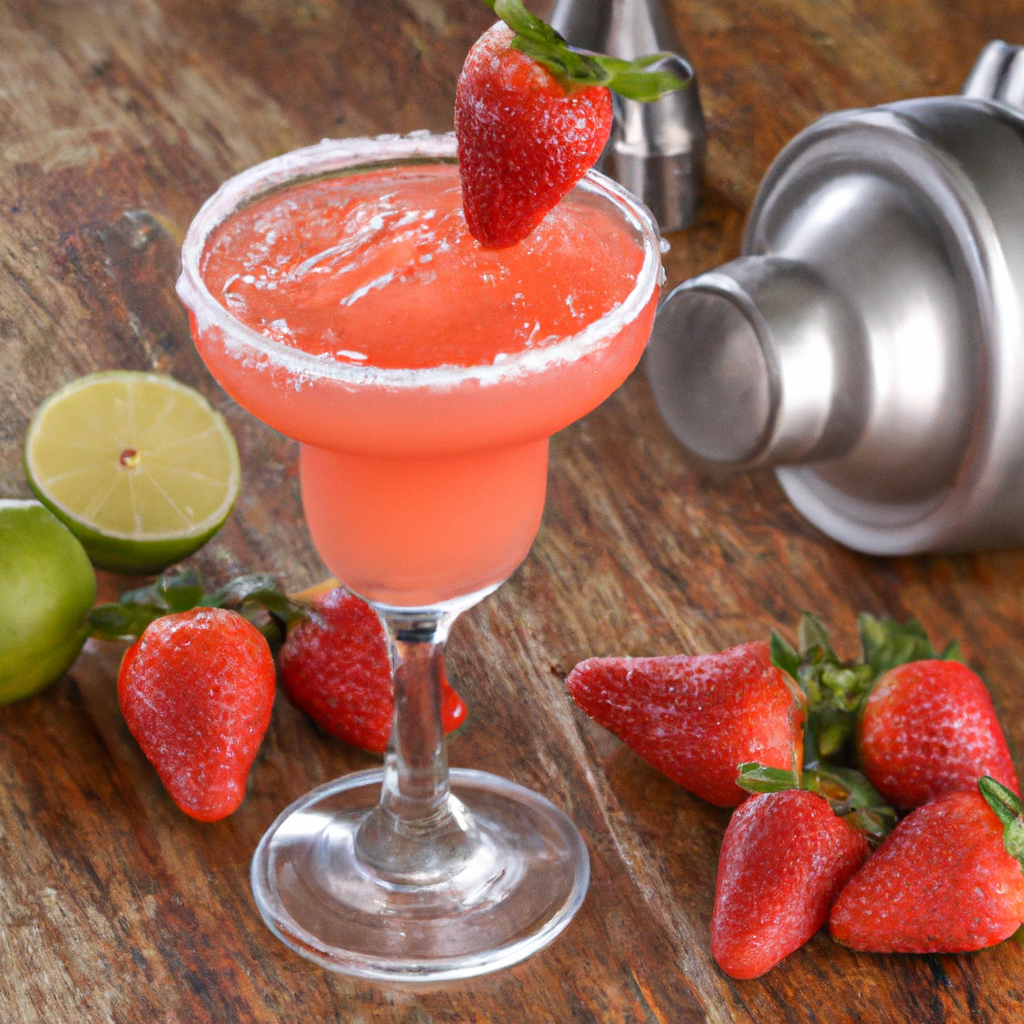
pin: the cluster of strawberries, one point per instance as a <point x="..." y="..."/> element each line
<point x="197" y="686"/>
<point x="775" y="733"/>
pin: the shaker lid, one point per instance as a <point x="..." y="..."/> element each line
<point x="714" y="386"/>
<point x="759" y="362"/>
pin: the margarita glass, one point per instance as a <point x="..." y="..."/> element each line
<point x="335" y="293"/>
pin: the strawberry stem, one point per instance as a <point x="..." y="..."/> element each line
<point x="1008" y="809"/>
<point x="257" y="597"/>
<point x="887" y="644"/>
<point x="759" y="778"/>
<point x="577" y="68"/>
<point x="836" y="690"/>
<point x="847" y="791"/>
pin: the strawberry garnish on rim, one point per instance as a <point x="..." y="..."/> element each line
<point x="532" y="115"/>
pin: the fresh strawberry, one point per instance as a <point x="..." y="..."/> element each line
<point x="787" y="853"/>
<point x="196" y="690"/>
<point x="948" y="879"/>
<point x="531" y="116"/>
<point x="836" y="690"/>
<point x="524" y="142"/>
<point x="696" y="718"/>
<point x="928" y="729"/>
<point x="335" y="667"/>
<point x="784" y="859"/>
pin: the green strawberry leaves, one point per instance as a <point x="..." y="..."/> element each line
<point x="577" y="68"/>
<point x="1008" y="809"/>
<point x="887" y="644"/>
<point x="760" y="778"/>
<point x="256" y="597"/>
<point x="122" y="622"/>
<point x="836" y="690"/>
<point x="848" y="792"/>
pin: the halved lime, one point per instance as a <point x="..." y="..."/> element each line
<point x="47" y="587"/>
<point x="141" y="467"/>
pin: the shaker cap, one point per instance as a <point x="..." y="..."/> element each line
<point x="759" y="361"/>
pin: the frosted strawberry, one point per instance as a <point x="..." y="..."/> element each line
<point x="786" y="855"/>
<point x="948" y="879"/>
<point x="928" y="729"/>
<point x="532" y="116"/>
<point x="784" y="859"/>
<point x="697" y="718"/>
<point x="197" y="690"/>
<point x="335" y="667"/>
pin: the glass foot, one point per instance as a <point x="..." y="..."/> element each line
<point x="521" y="886"/>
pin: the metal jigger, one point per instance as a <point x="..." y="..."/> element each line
<point x="656" y="149"/>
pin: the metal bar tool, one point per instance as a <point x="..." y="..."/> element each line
<point x="656" y="149"/>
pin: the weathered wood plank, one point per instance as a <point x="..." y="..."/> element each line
<point x="116" y="121"/>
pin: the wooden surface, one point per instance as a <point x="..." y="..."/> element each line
<point x="116" y="120"/>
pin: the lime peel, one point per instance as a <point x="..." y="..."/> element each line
<point x="47" y="587"/>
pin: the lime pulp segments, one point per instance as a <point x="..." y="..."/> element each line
<point x="140" y="467"/>
<point x="47" y="587"/>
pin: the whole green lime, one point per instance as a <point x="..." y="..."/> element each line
<point x="47" y="587"/>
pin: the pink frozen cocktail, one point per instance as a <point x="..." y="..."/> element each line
<point x="336" y="294"/>
<point x="423" y="373"/>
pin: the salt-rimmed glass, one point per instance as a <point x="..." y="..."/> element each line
<point x="413" y="872"/>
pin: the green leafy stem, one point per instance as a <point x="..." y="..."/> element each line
<point x="836" y="690"/>
<point x="257" y="597"/>
<point x="847" y="791"/>
<point x="575" y="68"/>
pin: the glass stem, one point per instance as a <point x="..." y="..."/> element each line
<point x="418" y="834"/>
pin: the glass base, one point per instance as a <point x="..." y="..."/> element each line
<point x="522" y="886"/>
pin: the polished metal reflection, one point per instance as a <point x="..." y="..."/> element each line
<point x="998" y="74"/>
<point x="656" y="149"/>
<point x="870" y="341"/>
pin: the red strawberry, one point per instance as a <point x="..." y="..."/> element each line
<point x="943" y="882"/>
<point x="196" y="690"/>
<point x="928" y="729"/>
<point x="335" y="667"/>
<point x="532" y="115"/>
<point x="784" y="858"/>
<point x="697" y="718"/>
<point x="524" y="140"/>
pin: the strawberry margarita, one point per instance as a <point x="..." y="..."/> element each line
<point x="336" y="293"/>
<point x="352" y="310"/>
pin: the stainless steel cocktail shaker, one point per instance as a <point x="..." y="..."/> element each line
<point x="870" y="341"/>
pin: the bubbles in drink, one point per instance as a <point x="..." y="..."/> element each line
<point x="337" y="268"/>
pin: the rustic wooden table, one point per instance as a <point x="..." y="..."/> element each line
<point x="116" y="120"/>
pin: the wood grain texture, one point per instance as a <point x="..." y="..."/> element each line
<point x="117" y="119"/>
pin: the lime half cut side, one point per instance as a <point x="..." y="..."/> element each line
<point x="140" y="467"/>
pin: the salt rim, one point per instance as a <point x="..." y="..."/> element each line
<point x="20" y="503"/>
<point x="258" y="351"/>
